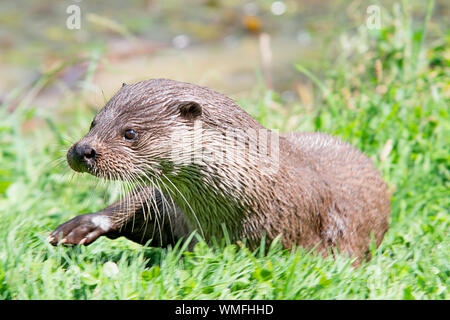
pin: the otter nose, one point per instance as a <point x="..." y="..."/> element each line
<point x="85" y="152"/>
<point x="80" y="155"/>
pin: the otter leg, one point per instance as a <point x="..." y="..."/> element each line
<point x="143" y="216"/>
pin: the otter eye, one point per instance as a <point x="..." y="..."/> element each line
<point x="130" y="134"/>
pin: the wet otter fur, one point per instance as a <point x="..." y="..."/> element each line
<point x="317" y="192"/>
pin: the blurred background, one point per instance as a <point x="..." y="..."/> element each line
<point x="231" y="46"/>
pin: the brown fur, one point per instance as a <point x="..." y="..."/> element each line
<point x="324" y="193"/>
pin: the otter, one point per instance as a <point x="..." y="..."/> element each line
<point x="166" y="140"/>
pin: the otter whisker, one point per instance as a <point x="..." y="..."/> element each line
<point x="166" y="208"/>
<point x="72" y="176"/>
<point x="128" y="194"/>
<point x="132" y="195"/>
<point x="192" y="210"/>
<point x="159" y="215"/>
<point x="152" y="197"/>
<point x="58" y="161"/>
<point x="156" y="206"/>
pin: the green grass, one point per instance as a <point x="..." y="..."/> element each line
<point x="407" y="107"/>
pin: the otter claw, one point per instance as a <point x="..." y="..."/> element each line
<point x="81" y="230"/>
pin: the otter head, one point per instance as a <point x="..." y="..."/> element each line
<point x="131" y="138"/>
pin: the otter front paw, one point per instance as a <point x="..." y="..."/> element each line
<point x="83" y="229"/>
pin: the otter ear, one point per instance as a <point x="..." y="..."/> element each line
<point x="190" y="110"/>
